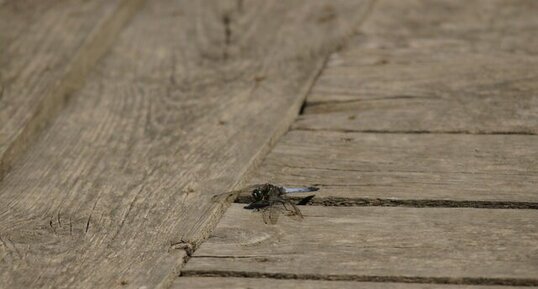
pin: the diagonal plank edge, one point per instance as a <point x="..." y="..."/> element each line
<point x="189" y="97"/>
<point x="32" y="95"/>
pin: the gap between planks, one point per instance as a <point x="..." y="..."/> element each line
<point x="411" y="203"/>
<point x="238" y="282"/>
<point x="468" y="132"/>
<point x="364" y="278"/>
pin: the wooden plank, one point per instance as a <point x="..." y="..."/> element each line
<point x="421" y="66"/>
<point x="407" y="166"/>
<point x="244" y="283"/>
<point x="435" y="245"/>
<point x="460" y="93"/>
<point x="458" y="26"/>
<point x="47" y="48"/>
<point x="190" y="97"/>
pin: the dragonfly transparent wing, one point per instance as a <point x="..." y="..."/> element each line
<point x="299" y="189"/>
<point x="292" y="211"/>
<point x="229" y="196"/>
<point x="271" y="214"/>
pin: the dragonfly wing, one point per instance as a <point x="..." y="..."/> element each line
<point x="274" y="213"/>
<point x="231" y="196"/>
<point x="266" y="215"/>
<point x="270" y="214"/>
<point x="292" y="211"/>
<point x="228" y="196"/>
<point x="299" y="189"/>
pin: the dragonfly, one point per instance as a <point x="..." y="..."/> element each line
<point x="273" y="201"/>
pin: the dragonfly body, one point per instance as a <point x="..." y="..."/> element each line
<point x="272" y="201"/>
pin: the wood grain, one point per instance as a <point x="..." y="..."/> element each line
<point x="190" y="97"/>
<point x="458" y="26"/>
<point x="447" y="245"/>
<point x="433" y="66"/>
<point x="407" y="166"/>
<point x="460" y="93"/>
<point x="47" y="49"/>
<point x="453" y="68"/>
<point x="246" y="283"/>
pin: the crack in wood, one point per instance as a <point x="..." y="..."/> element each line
<point x="366" y="278"/>
<point x="300" y="128"/>
<point x="90" y="216"/>
<point x="226" y="21"/>
<point x="413" y="203"/>
<point x="70" y="227"/>
<point x="88" y="223"/>
<point x="51" y="225"/>
<point x="393" y="97"/>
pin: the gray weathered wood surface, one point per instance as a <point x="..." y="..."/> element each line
<point x="190" y="97"/>
<point x="441" y="25"/>
<point x="433" y="66"/>
<point x="262" y="283"/>
<point x="459" y="167"/>
<point x="46" y="50"/>
<point x="455" y="83"/>
<point x="451" y="244"/>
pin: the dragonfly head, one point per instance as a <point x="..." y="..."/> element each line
<point x="257" y="194"/>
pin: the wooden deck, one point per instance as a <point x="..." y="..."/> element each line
<point x="119" y="120"/>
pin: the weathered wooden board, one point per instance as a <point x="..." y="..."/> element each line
<point x="433" y="66"/>
<point x="46" y="49"/>
<point x="459" y="26"/>
<point x="449" y="245"/>
<point x="246" y="283"/>
<point x="460" y="93"/>
<point x="456" y="167"/>
<point x="190" y="97"/>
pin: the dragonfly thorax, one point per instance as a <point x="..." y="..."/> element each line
<point x="266" y="192"/>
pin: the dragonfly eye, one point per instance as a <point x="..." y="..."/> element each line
<point x="256" y="193"/>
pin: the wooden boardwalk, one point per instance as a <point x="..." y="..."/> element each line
<point x="119" y="120"/>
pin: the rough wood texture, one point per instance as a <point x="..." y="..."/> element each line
<point x="248" y="283"/>
<point x="473" y="246"/>
<point x="192" y="94"/>
<point x="407" y="166"/>
<point x="46" y="50"/>
<point x="459" y="26"/>
<point x="463" y="93"/>
<point x="419" y="66"/>
<point x="433" y="66"/>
